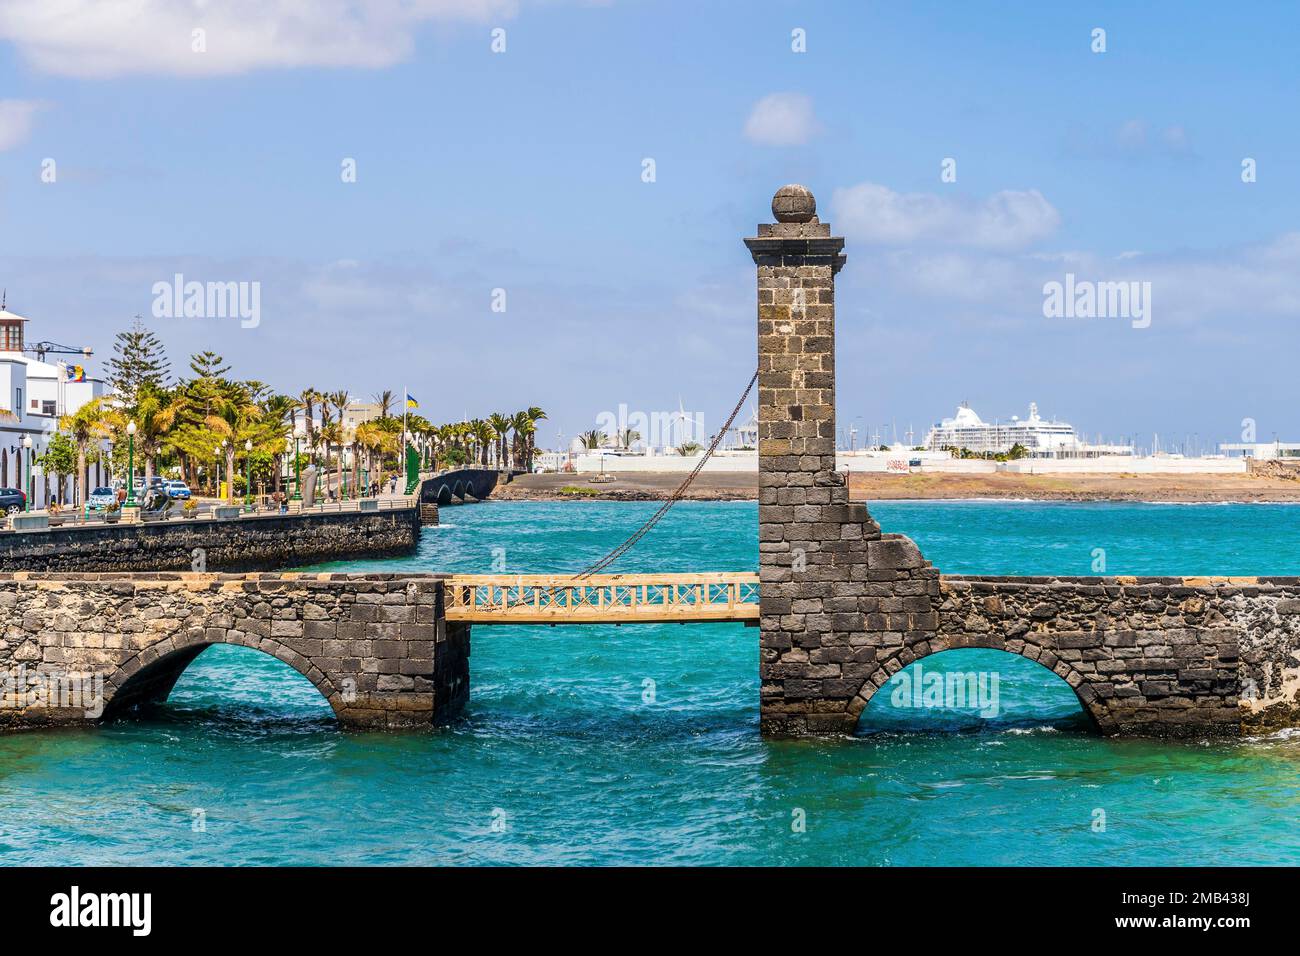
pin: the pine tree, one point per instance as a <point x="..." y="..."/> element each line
<point x="139" y="361"/>
<point x="208" y="364"/>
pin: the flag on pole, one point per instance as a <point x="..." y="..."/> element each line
<point x="411" y="402"/>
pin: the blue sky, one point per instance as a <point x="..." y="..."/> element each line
<point x="522" y="171"/>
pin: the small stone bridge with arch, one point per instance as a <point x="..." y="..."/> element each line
<point x="839" y="605"/>
<point x="458" y="485"/>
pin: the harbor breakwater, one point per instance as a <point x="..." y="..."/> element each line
<point x="245" y="543"/>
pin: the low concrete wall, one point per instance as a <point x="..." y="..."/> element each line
<point x="80" y="648"/>
<point x="245" y="543"/>
<point x="1119" y="465"/>
<point x="734" y="461"/>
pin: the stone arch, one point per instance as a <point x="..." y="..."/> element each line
<point x="150" y="674"/>
<point x="1024" y="646"/>
<point x="459" y="490"/>
<point x="444" y="494"/>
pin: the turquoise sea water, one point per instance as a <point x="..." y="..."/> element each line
<point x="639" y="745"/>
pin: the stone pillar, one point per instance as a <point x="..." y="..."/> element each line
<point x="833" y="590"/>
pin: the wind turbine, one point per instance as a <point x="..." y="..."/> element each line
<point x="676" y="423"/>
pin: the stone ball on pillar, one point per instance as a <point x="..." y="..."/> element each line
<point x="794" y="203"/>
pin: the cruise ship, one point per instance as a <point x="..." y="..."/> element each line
<point x="1041" y="438"/>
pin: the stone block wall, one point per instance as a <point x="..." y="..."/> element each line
<point x="247" y="543"/>
<point x="834" y="591"/>
<point x="1154" y="656"/>
<point x="377" y="647"/>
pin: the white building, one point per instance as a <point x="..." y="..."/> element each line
<point x="744" y="435"/>
<point x="1262" y="450"/>
<point x="1041" y="438"/>
<point x="33" y="394"/>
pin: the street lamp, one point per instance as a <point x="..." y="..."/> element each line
<point x="343" y="471"/>
<point x="297" y="471"/>
<point x="130" y="465"/>
<point x="27" y="501"/>
<point x="248" y="474"/>
<point x="230" y="489"/>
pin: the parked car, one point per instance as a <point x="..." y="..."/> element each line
<point x="12" y="500"/>
<point x="176" y="489"/>
<point x="154" y="482"/>
<point x="101" y="498"/>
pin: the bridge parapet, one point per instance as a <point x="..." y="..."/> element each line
<point x="602" y="598"/>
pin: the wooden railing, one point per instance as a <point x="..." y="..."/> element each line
<point x="602" y="598"/>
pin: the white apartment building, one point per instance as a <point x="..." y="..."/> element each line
<point x="33" y="394"/>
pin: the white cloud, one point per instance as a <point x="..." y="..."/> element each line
<point x="16" y="122"/>
<point x="782" y="119"/>
<point x="1007" y="219"/>
<point x="94" y="38"/>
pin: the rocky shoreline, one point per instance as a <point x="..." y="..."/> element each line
<point x="1173" y="489"/>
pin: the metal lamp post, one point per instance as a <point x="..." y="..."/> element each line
<point x="343" y="472"/>
<point x="297" y="471"/>
<point x="28" y="484"/>
<point x="230" y="488"/>
<point x="248" y="474"/>
<point x="130" y="465"/>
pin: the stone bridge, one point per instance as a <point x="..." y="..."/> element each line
<point x="78" y="648"/>
<point x="459" y="485"/>
<point x="843" y="606"/>
<point x="1145" y="655"/>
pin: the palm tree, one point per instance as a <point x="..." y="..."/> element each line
<point x="277" y="412"/>
<point x="385" y="401"/>
<point x="92" y="422"/>
<point x="519" y="424"/>
<point x="308" y="398"/>
<point x="235" y="418"/>
<point x="444" y="437"/>
<point x="484" y="435"/>
<point x="501" y="424"/>
<point x="334" y="433"/>
<point x="155" y="415"/>
<point x="460" y="441"/>
<point x="340" y="400"/>
<point x="418" y="427"/>
<point x="592" y="440"/>
<point x="626" y="437"/>
<point x="376" y="441"/>
<point x="535" y="415"/>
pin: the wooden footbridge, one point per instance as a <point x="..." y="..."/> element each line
<point x="602" y="598"/>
